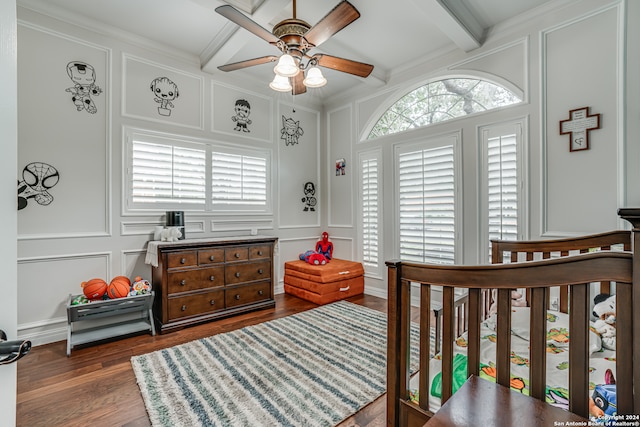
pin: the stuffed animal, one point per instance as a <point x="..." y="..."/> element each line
<point x="140" y="286"/>
<point x="171" y="234"/>
<point x="324" y="246"/>
<point x="605" y="311"/>
<point x="516" y="301"/>
<point x="313" y="257"/>
<point x="604" y="399"/>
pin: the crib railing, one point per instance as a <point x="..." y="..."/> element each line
<point x="575" y="272"/>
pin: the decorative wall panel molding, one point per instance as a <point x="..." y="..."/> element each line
<point x="158" y="93"/>
<point x="241" y="113"/>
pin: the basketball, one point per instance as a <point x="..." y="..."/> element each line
<point x="94" y="288"/>
<point x="119" y="287"/>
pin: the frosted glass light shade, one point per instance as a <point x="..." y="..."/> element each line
<point x="286" y="66"/>
<point x="314" y="78"/>
<point x="281" y="84"/>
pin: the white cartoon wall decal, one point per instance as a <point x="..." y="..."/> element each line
<point x="309" y="199"/>
<point x="290" y="131"/>
<point x="243" y="110"/>
<point x="83" y="76"/>
<point x="37" y="179"/>
<point x="341" y="164"/>
<point x="165" y="91"/>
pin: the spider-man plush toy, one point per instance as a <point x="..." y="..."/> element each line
<point x="324" y="246"/>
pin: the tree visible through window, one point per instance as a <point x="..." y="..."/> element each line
<point x="439" y="101"/>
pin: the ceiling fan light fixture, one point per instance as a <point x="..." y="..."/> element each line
<point x="286" y="66"/>
<point x="281" y="84"/>
<point x="314" y="78"/>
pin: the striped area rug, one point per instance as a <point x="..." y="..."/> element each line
<point x="314" y="368"/>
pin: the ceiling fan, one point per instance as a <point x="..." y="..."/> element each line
<point x="295" y="38"/>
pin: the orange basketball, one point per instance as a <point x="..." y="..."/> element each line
<point x="119" y="287"/>
<point x="94" y="288"/>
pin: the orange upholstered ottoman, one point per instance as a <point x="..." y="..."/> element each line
<point x="322" y="284"/>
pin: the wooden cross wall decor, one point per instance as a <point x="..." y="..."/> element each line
<point x="578" y="126"/>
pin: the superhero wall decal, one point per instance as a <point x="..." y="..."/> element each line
<point x="164" y="91"/>
<point x="309" y="199"/>
<point x="241" y="119"/>
<point x="37" y="179"/>
<point x="291" y="131"/>
<point x="84" y="87"/>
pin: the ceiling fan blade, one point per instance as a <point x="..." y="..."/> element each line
<point x="297" y="84"/>
<point x="247" y="23"/>
<point x="248" y="63"/>
<point x="345" y="65"/>
<point x="341" y="16"/>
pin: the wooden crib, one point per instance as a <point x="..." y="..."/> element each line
<point x="572" y="264"/>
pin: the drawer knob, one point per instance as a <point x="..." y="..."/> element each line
<point x="212" y="278"/>
<point x="238" y="274"/>
<point x="183" y="308"/>
<point x="237" y="297"/>
<point x="211" y="258"/>
<point x="183" y="260"/>
<point x="260" y="253"/>
<point x="183" y="282"/>
<point x="260" y="271"/>
<point x="260" y="292"/>
<point x="237" y="255"/>
<point x="213" y="302"/>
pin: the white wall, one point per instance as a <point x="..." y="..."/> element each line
<point x="8" y="217"/>
<point x="86" y="230"/>
<point x="565" y="56"/>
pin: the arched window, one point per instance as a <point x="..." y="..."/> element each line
<point x="442" y="100"/>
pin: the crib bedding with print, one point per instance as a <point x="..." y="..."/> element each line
<point x="550" y="355"/>
<point x="602" y="361"/>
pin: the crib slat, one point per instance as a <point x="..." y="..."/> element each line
<point x="504" y="337"/>
<point x="473" y="334"/>
<point x="447" y="342"/>
<point x="538" y="351"/>
<point x="425" y="345"/>
<point x="579" y="350"/>
<point x="624" y="353"/>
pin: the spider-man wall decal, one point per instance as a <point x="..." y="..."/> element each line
<point x="37" y="179"/>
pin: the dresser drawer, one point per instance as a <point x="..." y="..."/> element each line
<point x="190" y="280"/>
<point x="247" y="294"/>
<point x="195" y="304"/>
<point x="239" y="253"/>
<point x="210" y="256"/>
<point x="182" y="259"/>
<point x="260" y="252"/>
<point x="247" y="272"/>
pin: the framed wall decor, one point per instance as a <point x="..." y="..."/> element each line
<point x="577" y="126"/>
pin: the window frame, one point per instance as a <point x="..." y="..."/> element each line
<point x="453" y="139"/>
<point x="519" y="128"/>
<point x="376" y="270"/>
<point x="400" y="94"/>
<point x="132" y="135"/>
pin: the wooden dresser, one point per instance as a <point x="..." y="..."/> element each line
<point x="201" y="280"/>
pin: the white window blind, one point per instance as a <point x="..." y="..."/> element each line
<point x="427" y="205"/>
<point x="167" y="175"/>
<point x="502" y="188"/>
<point x="238" y="179"/>
<point x="370" y="219"/>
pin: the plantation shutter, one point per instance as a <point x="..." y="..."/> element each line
<point x="502" y="183"/>
<point x="167" y="175"/>
<point x="427" y="205"/>
<point x="238" y="180"/>
<point x="369" y="190"/>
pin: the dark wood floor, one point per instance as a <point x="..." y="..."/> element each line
<point x="96" y="386"/>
